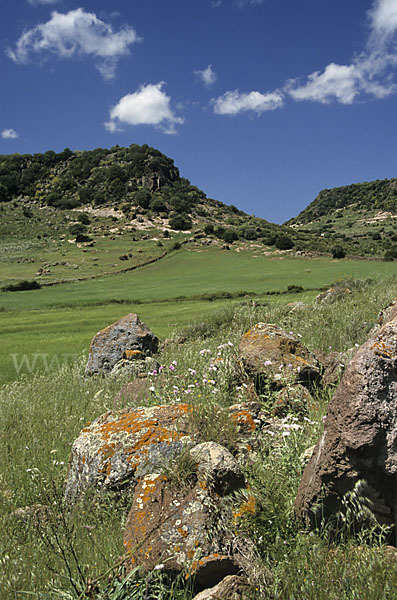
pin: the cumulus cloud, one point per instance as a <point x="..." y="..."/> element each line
<point x="9" y="134"/>
<point x="76" y="33"/>
<point x="338" y="82"/>
<point x="369" y="73"/>
<point x="383" y="17"/>
<point x="149" y="105"/>
<point x="207" y="76"/>
<point x="232" y="103"/>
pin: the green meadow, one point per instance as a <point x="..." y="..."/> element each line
<point x="54" y="324"/>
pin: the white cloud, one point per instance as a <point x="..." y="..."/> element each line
<point x="232" y="103"/>
<point x="207" y="76"/>
<point x="9" y="134"/>
<point x="368" y="74"/>
<point x="383" y="17"/>
<point x="338" y="82"/>
<point x="149" y="105"/>
<point x="76" y="33"/>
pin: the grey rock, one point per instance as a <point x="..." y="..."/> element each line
<point x="232" y="587"/>
<point x="121" y="340"/>
<point x="217" y="467"/>
<point x="358" y="449"/>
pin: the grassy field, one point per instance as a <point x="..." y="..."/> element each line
<point x="54" y="324"/>
<point x="190" y="273"/>
<point x="40" y="416"/>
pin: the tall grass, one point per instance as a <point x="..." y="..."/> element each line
<point x="55" y="554"/>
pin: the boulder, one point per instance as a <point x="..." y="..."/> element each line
<point x="358" y="449"/>
<point x="125" y="339"/>
<point x="333" y="365"/>
<point x="233" y="587"/>
<point x="332" y="294"/>
<point x="217" y="468"/>
<point x="108" y="452"/>
<point x="266" y="348"/>
<point x="295" y="400"/>
<point x="135" y="367"/>
<point x="182" y="529"/>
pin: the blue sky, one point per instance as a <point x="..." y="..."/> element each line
<point x="261" y="103"/>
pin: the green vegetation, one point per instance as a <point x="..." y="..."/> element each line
<point x="373" y="195"/>
<point x="85" y="238"/>
<point x="360" y="218"/>
<point x="63" y="554"/>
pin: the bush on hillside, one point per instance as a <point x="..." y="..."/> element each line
<point x="142" y="198"/>
<point x="338" y="252"/>
<point x="21" y="286"/>
<point x="180" y="222"/>
<point x="284" y="242"/>
<point x="77" y="228"/>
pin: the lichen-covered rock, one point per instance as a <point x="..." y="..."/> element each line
<point x="135" y="367"/>
<point x="232" y="587"/>
<point x="108" y="452"/>
<point x="185" y="530"/>
<point x="125" y="339"/>
<point x="217" y="467"/>
<point x="332" y="294"/>
<point x="295" y="399"/>
<point x="266" y="347"/>
<point x="359" y="442"/>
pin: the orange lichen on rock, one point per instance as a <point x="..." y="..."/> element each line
<point x="382" y="349"/>
<point x="244" y="417"/>
<point x="131" y="354"/>
<point x="247" y="507"/>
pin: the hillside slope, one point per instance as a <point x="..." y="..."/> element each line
<point x="359" y="216"/>
<point x="74" y="215"/>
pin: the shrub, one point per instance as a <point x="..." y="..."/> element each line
<point x="250" y="234"/>
<point x="158" y="205"/>
<point x="22" y="286"/>
<point x="142" y="198"/>
<point x="294" y="289"/>
<point x="338" y="252"/>
<point x="229" y="236"/>
<point x="390" y="255"/>
<point x="208" y="228"/>
<point x="77" y="228"/>
<point x="84" y="218"/>
<point x="181" y="222"/>
<point x="284" y="242"/>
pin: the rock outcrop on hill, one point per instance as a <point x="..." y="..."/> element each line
<point x="358" y="449"/>
<point x="127" y="339"/>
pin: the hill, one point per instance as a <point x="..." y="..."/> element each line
<point x="360" y="217"/>
<point x="76" y="215"/>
